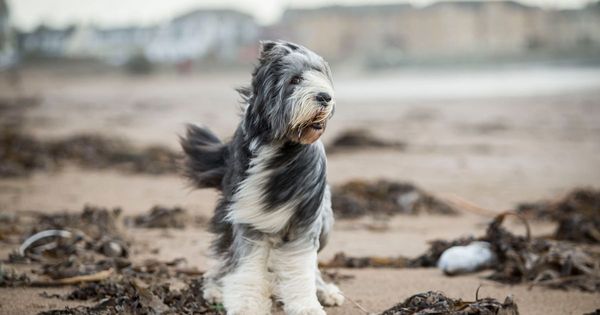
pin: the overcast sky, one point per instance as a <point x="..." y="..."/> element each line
<point x="27" y="14"/>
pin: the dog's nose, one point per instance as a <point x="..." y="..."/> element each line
<point x="323" y="98"/>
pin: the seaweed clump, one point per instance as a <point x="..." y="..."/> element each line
<point x="358" y="198"/>
<point x="162" y="217"/>
<point x="437" y="303"/>
<point x="355" y="139"/>
<point x="577" y="215"/>
<point x="519" y="259"/>
<point x="88" y="250"/>
<point x="21" y="154"/>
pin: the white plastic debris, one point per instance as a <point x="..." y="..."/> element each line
<point x="41" y="235"/>
<point x="465" y="259"/>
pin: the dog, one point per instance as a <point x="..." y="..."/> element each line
<point x="274" y="213"/>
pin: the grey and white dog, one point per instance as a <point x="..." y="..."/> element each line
<point x="275" y="211"/>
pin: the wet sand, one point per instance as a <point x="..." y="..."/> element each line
<point x="494" y="151"/>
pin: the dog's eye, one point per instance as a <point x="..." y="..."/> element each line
<point x="296" y="80"/>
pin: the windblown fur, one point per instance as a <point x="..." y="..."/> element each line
<point x="206" y="156"/>
<point x="275" y="209"/>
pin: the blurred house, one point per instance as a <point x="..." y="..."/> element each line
<point x="45" y="41"/>
<point x="218" y="35"/>
<point x="375" y="35"/>
<point x="115" y="46"/>
<point x="466" y="29"/>
<point x="8" y="51"/>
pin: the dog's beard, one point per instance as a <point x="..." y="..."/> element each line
<point x="311" y="130"/>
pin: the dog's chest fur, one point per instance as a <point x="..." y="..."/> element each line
<point x="281" y="188"/>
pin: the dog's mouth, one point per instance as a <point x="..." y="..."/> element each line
<point x="311" y="131"/>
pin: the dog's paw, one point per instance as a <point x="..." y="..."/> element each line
<point x="248" y="311"/>
<point x="212" y="295"/>
<point x="305" y="311"/>
<point x="330" y="295"/>
<point x="249" y="308"/>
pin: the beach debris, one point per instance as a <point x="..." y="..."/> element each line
<point x="20" y="154"/>
<point x="358" y="198"/>
<point x="577" y="215"/>
<point x="88" y="251"/>
<point x="128" y="295"/>
<point x="13" y="108"/>
<point x="465" y="259"/>
<point x="94" y="277"/>
<point x="73" y="247"/>
<point x="42" y="235"/>
<point x="152" y="287"/>
<point x="340" y="260"/>
<point x="437" y="303"/>
<point x="360" y="139"/>
<point x="436" y="248"/>
<point x="517" y="259"/>
<point x="11" y="278"/>
<point x="556" y="264"/>
<point x="427" y="259"/>
<point x="162" y="217"/>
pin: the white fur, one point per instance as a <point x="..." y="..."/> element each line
<point x="295" y="266"/>
<point x="247" y="290"/>
<point x="211" y="289"/>
<point x="248" y="206"/>
<point x="305" y="106"/>
<point x="328" y="293"/>
<point x="253" y="145"/>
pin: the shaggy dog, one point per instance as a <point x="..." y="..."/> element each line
<point x="274" y="214"/>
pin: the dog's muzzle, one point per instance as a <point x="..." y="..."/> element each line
<point x="314" y="129"/>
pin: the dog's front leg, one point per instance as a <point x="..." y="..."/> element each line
<point x="247" y="287"/>
<point x="294" y="265"/>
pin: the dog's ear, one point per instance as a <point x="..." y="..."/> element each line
<point x="266" y="46"/>
<point x="269" y="49"/>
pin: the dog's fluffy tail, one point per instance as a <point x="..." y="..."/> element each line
<point x="205" y="157"/>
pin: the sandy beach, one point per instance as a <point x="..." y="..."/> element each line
<point x="485" y="139"/>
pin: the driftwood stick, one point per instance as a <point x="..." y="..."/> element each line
<point x="95" y="277"/>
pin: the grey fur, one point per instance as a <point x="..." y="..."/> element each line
<point x="298" y="171"/>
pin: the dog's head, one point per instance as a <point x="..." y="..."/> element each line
<point x="291" y="97"/>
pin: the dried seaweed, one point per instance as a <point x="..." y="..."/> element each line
<point x="162" y="217"/>
<point x="437" y="303"/>
<point x="133" y="296"/>
<point x="143" y="289"/>
<point x="520" y="259"/>
<point x="577" y="215"/>
<point x="427" y="259"/>
<point x="360" y="139"/>
<point x="20" y="154"/>
<point x="69" y="245"/>
<point x="555" y="264"/>
<point x="11" y="278"/>
<point x="70" y="248"/>
<point x="340" y="260"/>
<point x="358" y="198"/>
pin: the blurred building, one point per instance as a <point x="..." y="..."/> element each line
<point x="442" y="30"/>
<point x="46" y="41"/>
<point x="115" y="46"/>
<point x="375" y="35"/>
<point x="219" y="35"/>
<point x="8" y="51"/>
